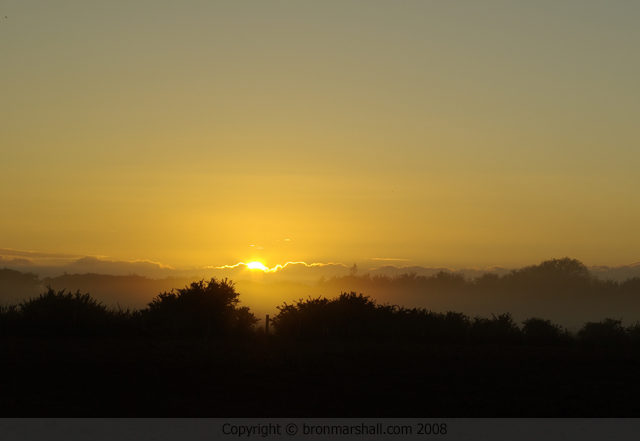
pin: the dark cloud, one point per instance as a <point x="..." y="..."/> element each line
<point x="121" y="267"/>
<point x="37" y="254"/>
<point x="17" y="262"/>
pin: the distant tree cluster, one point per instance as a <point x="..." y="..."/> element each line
<point x="566" y="276"/>
<point x="15" y="285"/>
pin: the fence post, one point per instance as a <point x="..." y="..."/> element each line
<point x="266" y="325"/>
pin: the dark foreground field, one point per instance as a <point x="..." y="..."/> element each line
<point x="160" y="378"/>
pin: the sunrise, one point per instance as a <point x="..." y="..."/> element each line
<point x="349" y="181"/>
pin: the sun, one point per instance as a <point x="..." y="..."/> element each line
<point x="256" y="265"/>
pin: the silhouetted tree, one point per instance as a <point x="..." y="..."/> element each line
<point x="605" y="287"/>
<point x="16" y="285"/>
<point x="10" y="276"/>
<point x="200" y="309"/>
<point x="488" y="282"/>
<point x="558" y="276"/>
<point x="630" y="286"/>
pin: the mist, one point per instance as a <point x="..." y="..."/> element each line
<point x="564" y="290"/>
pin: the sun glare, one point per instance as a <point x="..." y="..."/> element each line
<point x="256" y="265"/>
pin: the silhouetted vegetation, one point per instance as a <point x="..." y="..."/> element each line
<point x="608" y="332"/>
<point x="497" y="330"/>
<point x="349" y="351"/>
<point x="348" y="355"/>
<point x="210" y="309"/>
<point x="354" y="316"/>
<point x="16" y="285"/>
<point x="201" y="309"/>
<point x="552" y="276"/>
<point x="537" y="331"/>
<point x="131" y="290"/>
<point x="10" y="320"/>
<point x="562" y="290"/>
<point x="60" y="314"/>
<point x="13" y="277"/>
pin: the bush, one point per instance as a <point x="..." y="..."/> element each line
<point x="497" y="330"/>
<point x="203" y="309"/>
<point x="608" y="332"/>
<point x="537" y="331"/>
<point x="456" y="327"/>
<point x="305" y="319"/>
<point x="349" y="316"/>
<point x="354" y="316"/>
<point x="63" y="314"/>
<point x="633" y="333"/>
<point x="122" y="322"/>
<point x="10" y="319"/>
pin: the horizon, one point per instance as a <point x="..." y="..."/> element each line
<point x="550" y="289"/>
<point x="53" y="265"/>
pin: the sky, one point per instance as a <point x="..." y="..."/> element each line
<point x="206" y="133"/>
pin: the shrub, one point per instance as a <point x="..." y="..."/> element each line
<point x="354" y="316"/>
<point x="304" y="319"/>
<point x="204" y="309"/>
<point x="122" y="322"/>
<point x="456" y="327"/>
<point x="63" y="314"/>
<point x="633" y="333"/>
<point x="348" y="316"/>
<point x="537" y="331"/>
<point x="497" y="330"/>
<point x="10" y="319"/>
<point x="608" y="332"/>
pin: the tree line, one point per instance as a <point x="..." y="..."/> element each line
<point x="210" y="310"/>
<point x="564" y="276"/>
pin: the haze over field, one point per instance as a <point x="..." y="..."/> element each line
<point x="174" y="139"/>
<point x="564" y="290"/>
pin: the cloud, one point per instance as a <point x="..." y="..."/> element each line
<point x="293" y="271"/>
<point x="37" y="254"/>
<point x="16" y="261"/>
<point x="120" y="267"/>
<point x="53" y="264"/>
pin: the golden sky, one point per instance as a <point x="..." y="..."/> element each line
<point x="195" y="133"/>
